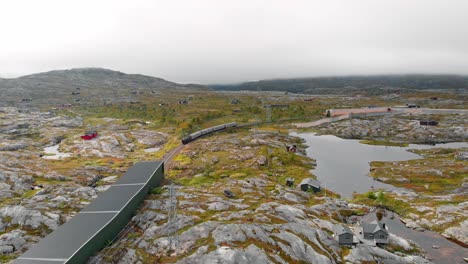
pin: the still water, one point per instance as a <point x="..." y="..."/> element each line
<point x="343" y="164"/>
<point x="343" y="167"/>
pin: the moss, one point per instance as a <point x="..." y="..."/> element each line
<point x="383" y="143"/>
<point x="383" y="200"/>
<point x="157" y="190"/>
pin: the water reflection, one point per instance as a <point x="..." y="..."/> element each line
<point x="343" y="164"/>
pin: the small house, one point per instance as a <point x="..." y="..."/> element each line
<point x="375" y="230"/>
<point x="291" y="148"/>
<point x="90" y="134"/>
<point x="228" y="193"/>
<point x="310" y="184"/>
<point x="289" y="182"/>
<point x="428" y="123"/>
<point x="412" y="106"/>
<point x="343" y="235"/>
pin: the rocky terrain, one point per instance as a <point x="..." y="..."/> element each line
<point x="264" y="221"/>
<point x="79" y="86"/>
<point x="255" y="226"/>
<point x="437" y="190"/>
<point x="402" y="129"/>
<point x="40" y="191"/>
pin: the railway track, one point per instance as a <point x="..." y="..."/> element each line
<point x="113" y="252"/>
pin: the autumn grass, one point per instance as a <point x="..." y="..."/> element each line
<point x="381" y="199"/>
<point x="437" y="173"/>
<point x="383" y="143"/>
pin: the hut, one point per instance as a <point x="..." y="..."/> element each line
<point x="289" y="182"/>
<point x="90" y="134"/>
<point x="291" y="148"/>
<point x="375" y="230"/>
<point x="310" y="184"/>
<point x="343" y="235"/>
<point x="428" y="123"/>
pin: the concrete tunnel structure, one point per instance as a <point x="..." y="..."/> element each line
<point x="99" y="222"/>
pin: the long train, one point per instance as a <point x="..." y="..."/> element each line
<point x="206" y="131"/>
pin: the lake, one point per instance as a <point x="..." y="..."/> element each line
<point x="343" y="164"/>
<point x="343" y="167"/>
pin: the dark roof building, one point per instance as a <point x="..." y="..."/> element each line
<point x="310" y="184"/>
<point x="376" y="231"/>
<point x="99" y="222"/>
<point x="428" y="123"/>
<point x="343" y="234"/>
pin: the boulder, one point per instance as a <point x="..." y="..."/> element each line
<point x="12" y="241"/>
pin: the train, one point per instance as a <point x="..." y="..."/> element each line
<point x="206" y="131"/>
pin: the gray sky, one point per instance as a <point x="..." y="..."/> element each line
<point x="231" y="41"/>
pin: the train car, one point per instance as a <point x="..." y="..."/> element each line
<point x="206" y="131"/>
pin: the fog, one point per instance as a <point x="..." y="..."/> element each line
<point x="233" y="41"/>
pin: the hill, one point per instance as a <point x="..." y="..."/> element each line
<point x="80" y="84"/>
<point x="321" y="85"/>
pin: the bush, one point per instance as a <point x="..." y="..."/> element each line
<point x="157" y="190"/>
<point x="371" y="195"/>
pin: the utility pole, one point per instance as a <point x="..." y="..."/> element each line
<point x="268" y="113"/>
<point x="172" y="218"/>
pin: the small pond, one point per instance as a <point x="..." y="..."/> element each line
<point x="343" y="164"/>
<point x="343" y="167"/>
<point x="53" y="153"/>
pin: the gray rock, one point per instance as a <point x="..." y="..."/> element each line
<point x="290" y="213"/>
<point x="228" y="233"/>
<point x="218" y="206"/>
<point x="292" y="197"/>
<point x="12" y="147"/>
<point x="2" y="225"/>
<point x="64" y="122"/>
<point x="447" y="209"/>
<point x="261" y="160"/>
<point x="148" y="218"/>
<point x="459" y="233"/>
<point x="13" y="241"/>
<point x="25" y="217"/>
<point x="6" y="249"/>
<point x="85" y="192"/>
<point x="149" y="137"/>
<point x="129" y="257"/>
<point x="297" y="249"/>
<point x="364" y="253"/>
<point x="227" y="255"/>
<point x="158" y="230"/>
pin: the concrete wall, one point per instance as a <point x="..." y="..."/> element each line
<point x="110" y="231"/>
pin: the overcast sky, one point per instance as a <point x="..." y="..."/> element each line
<point x="232" y="41"/>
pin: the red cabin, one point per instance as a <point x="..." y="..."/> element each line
<point x="89" y="135"/>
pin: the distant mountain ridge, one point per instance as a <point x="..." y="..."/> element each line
<point x="59" y="84"/>
<point x="320" y="84"/>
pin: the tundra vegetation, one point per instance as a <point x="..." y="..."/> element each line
<point x="265" y="220"/>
